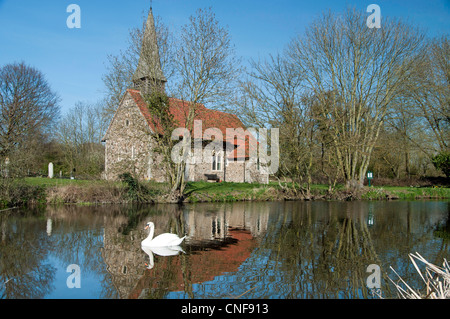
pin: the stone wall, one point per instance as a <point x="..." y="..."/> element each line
<point x="129" y="148"/>
<point x="234" y="171"/>
<point x="128" y="144"/>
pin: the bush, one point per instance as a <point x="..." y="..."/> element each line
<point x="17" y="193"/>
<point x="136" y="191"/>
<point x="442" y="162"/>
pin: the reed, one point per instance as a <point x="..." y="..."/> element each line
<point x="436" y="279"/>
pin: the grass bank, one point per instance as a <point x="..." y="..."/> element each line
<point x="219" y="192"/>
<point x="230" y="192"/>
<point x="405" y="193"/>
<point x="87" y="192"/>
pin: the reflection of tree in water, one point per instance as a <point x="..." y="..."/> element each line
<point x="139" y="215"/>
<point x="311" y="250"/>
<point x="348" y="251"/>
<point x="135" y="217"/>
<point x="404" y="227"/>
<point x="77" y="238"/>
<point x="442" y="230"/>
<point x="122" y="253"/>
<point x="323" y="249"/>
<point x="23" y="249"/>
<point x="308" y="250"/>
<point x="323" y="256"/>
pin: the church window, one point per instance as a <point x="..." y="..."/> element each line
<point x="216" y="162"/>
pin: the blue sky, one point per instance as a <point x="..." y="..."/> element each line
<point x="73" y="60"/>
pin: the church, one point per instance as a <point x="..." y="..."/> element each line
<point x="130" y="142"/>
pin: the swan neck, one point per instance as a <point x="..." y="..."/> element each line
<point x="152" y="230"/>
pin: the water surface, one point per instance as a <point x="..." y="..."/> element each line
<point x="306" y="250"/>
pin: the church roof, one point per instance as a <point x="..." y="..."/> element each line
<point x="210" y="119"/>
<point x="180" y="109"/>
<point x="149" y="65"/>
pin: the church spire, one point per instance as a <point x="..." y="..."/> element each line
<point x="149" y="75"/>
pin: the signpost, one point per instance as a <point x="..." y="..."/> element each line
<point x="369" y="177"/>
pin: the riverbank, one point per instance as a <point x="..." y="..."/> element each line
<point x="273" y="192"/>
<point x="93" y="192"/>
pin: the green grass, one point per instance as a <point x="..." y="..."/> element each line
<point x="226" y="187"/>
<point x="407" y="193"/>
<point x="228" y="192"/>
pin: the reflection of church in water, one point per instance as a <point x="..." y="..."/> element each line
<point x="219" y="239"/>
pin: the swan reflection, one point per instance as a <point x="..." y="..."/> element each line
<point x="160" y="251"/>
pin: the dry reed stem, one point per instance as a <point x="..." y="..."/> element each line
<point x="437" y="280"/>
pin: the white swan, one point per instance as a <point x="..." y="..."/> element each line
<point x="163" y="240"/>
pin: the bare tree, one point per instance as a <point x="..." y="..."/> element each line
<point x="206" y="64"/>
<point x="206" y="70"/>
<point x="273" y="96"/>
<point x="28" y="107"/>
<point x="430" y="91"/>
<point x="355" y="72"/>
<point x="79" y="133"/>
<point x="420" y="115"/>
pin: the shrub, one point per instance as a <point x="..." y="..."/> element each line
<point x="17" y="193"/>
<point x="136" y="191"/>
<point x="442" y="162"/>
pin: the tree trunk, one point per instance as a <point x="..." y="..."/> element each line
<point x="354" y="185"/>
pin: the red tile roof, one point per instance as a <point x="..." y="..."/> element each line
<point x="209" y="118"/>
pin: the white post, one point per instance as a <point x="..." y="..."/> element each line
<point x="50" y="170"/>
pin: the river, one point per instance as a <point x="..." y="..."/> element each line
<point x="280" y="250"/>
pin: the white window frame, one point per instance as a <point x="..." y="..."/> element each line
<point x="217" y="162"/>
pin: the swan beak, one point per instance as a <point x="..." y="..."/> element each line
<point x="146" y="227"/>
